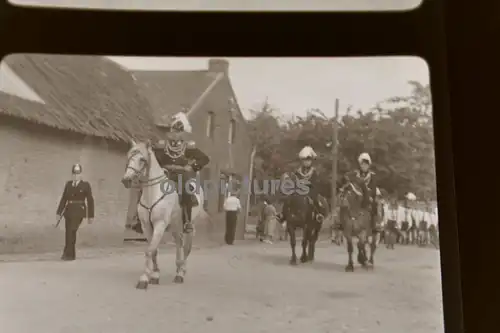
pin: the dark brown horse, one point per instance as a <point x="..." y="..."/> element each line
<point x="356" y="221"/>
<point x="299" y="213"/>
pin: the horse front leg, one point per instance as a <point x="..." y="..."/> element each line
<point x="293" y="243"/>
<point x="373" y="249"/>
<point x="143" y="281"/>
<point x="155" y="275"/>
<point x="350" y="250"/>
<point x="362" y="259"/>
<point x="305" y="242"/>
<point x="187" y="247"/>
<point x="151" y="270"/>
<point x="312" y="244"/>
<point x="180" y="259"/>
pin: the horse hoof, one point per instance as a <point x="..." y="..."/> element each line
<point x="143" y="285"/>
<point x="303" y="259"/>
<point x="178" y="279"/>
<point x="349" y="268"/>
<point x="155" y="281"/>
<point x="362" y="262"/>
<point x="293" y="262"/>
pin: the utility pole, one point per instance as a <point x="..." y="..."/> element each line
<point x="335" y="157"/>
<point x="250" y="185"/>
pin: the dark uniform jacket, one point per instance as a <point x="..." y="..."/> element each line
<point x="192" y="156"/>
<point x="77" y="201"/>
<point x="310" y="178"/>
<point x="360" y="180"/>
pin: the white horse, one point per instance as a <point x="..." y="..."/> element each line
<point x="158" y="209"/>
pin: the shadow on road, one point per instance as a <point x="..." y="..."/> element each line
<point x="338" y="294"/>
<point x="280" y="260"/>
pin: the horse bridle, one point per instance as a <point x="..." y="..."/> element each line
<point x="139" y="172"/>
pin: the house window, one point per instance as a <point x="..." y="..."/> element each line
<point x="232" y="131"/>
<point x="210" y="124"/>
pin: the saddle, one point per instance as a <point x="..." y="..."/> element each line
<point x="189" y="196"/>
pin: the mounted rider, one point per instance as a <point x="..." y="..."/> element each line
<point x="181" y="160"/>
<point x="308" y="174"/>
<point x="360" y="177"/>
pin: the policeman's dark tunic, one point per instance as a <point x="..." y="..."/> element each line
<point x="192" y="156"/>
<point x="76" y="204"/>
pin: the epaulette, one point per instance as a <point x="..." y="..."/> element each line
<point x="159" y="144"/>
<point x="190" y="144"/>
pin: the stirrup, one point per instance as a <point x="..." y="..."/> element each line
<point x="188" y="227"/>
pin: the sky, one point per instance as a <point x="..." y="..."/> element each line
<point x="337" y="5"/>
<point x="295" y="85"/>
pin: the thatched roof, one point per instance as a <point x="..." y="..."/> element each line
<point x="170" y="92"/>
<point x="85" y="94"/>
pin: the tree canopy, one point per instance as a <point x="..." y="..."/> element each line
<point x="397" y="133"/>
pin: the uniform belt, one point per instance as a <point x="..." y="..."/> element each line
<point x="75" y="201"/>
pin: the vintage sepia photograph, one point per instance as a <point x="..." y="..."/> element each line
<point x="145" y="194"/>
<point x="227" y="5"/>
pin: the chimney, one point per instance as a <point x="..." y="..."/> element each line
<point x="218" y="66"/>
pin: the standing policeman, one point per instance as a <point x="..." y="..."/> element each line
<point x="76" y="203"/>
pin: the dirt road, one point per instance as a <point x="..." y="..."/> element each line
<point x="247" y="288"/>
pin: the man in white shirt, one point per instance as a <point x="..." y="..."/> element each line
<point x="232" y="206"/>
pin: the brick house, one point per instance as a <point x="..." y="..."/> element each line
<point x="74" y="109"/>
<point x="219" y="128"/>
<point x="59" y="110"/>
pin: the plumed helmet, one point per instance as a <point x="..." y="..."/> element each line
<point x="307" y="153"/>
<point x="180" y="123"/>
<point x="410" y="196"/>
<point x="364" y="157"/>
<point x="76" y="169"/>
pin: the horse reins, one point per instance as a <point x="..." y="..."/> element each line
<point x="147" y="183"/>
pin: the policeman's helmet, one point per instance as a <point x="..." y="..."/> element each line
<point x="77" y="169"/>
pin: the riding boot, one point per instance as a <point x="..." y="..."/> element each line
<point x="316" y="207"/>
<point x="187" y="209"/>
